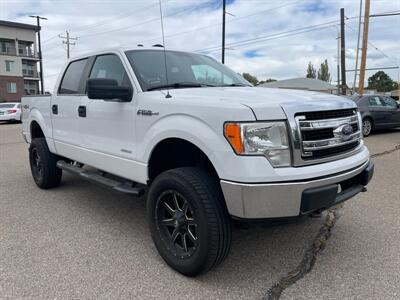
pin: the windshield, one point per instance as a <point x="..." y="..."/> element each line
<point x="7" y="105"/>
<point x="184" y="70"/>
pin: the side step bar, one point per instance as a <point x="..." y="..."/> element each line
<point x="92" y="176"/>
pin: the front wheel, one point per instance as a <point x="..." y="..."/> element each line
<point x="188" y="220"/>
<point x="367" y="127"/>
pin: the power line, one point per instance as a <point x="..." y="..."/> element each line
<point x="228" y="21"/>
<point x="273" y="36"/>
<point x="375" y="47"/>
<point x="137" y="24"/>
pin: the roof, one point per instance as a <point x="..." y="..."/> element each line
<point x="19" y="25"/>
<point x="301" y="83"/>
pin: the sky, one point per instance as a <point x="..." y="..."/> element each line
<point x="266" y="38"/>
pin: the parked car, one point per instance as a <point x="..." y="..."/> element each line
<point x="377" y="112"/>
<point x="10" y="112"/>
<point x="206" y="145"/>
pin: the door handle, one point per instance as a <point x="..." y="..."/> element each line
<point x="82" y="111"/>
<point x="54" y="109"/>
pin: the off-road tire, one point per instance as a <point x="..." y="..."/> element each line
<point x="203" y="194"/>
<point x="45" y="172"/>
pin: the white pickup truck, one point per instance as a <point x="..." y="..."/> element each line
<point x="199" y="141"/>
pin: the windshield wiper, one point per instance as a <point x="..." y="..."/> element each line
<point x="176" y="86"/>
<point x="236" y="84"/>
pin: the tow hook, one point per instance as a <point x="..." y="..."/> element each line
<point x="364" y="189"/>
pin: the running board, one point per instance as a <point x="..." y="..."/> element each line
<point x="92" y="176"/>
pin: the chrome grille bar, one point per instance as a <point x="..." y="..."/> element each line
<point x="329" y="143"/>
<point x="328" y="123"/>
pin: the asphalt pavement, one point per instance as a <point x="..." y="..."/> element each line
<point x="82" y="241"/>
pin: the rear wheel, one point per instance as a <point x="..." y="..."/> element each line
<point x="188" y="220"/>
<point x="367" y="126"/>
<point x="44" y="165"/>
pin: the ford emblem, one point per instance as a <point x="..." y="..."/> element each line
<point x="344" y="131"/>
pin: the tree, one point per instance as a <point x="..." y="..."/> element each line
<point x="250" y="78"/>
<point x="381" y="82"/>
<point x="323" y="72"/>
<point x="311" y="72"/>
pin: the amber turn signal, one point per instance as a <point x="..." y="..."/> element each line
<point x="232" y="132"/>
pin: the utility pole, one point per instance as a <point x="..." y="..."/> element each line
<point x="67" y="41"/>
<point x="358" y="46"/>
<point x="223" y="30"/>
<point x="343" y="51"/>
<point x="364" y="48"/>
<point x="38" y="18"/>
<point x="338" y="62"/>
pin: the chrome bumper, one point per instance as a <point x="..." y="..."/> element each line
<point x="275" y="200"/>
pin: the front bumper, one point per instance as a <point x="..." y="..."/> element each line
<point x="294" y="198"/>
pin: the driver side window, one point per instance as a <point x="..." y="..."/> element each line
<point x="109" y="66"/>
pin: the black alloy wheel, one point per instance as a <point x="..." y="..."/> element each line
<point x="176" y="223"/>
<point x="188" y="220"/>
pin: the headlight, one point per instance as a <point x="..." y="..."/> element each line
<point x="269" y="139"/>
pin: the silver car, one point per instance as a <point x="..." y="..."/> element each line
<point x="10" y="112"/>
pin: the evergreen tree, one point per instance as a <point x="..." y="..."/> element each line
<point x="311" y="72"/>
<point x="323" y="72"/>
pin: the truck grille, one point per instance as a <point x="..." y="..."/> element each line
<point x="328" y="133"/>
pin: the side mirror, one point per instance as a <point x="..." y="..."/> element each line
<point x="108" y="89"/>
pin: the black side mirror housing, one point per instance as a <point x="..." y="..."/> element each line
<point x="108" y="90"/>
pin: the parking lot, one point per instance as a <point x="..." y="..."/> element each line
<point x="82" y="241"/>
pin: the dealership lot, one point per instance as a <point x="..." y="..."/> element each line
<point x="81" y="241"/>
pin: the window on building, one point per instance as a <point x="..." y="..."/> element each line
<point x="10" y="66"/>
<point x="11" y="87"/>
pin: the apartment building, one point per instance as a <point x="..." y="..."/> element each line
<point x="18" y="61"/>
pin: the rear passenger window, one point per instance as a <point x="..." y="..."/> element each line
<point x="109" y="66"/>
<point x="72" y="77"/>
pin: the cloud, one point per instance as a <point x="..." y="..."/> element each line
<point x="196" y="25"/>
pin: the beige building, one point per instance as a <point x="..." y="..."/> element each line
<point x="18" y="61"/>
<point x="301" y="83"/>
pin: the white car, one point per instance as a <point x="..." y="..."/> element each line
<point x="206" y="145"/>
<point x="10" y="112"/>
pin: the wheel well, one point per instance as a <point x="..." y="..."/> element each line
<point x="369" y="118"/>
<point x="36" y="131"/>
<point x="175" y="153"/>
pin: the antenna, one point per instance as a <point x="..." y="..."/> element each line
<point x="165" y="53"/>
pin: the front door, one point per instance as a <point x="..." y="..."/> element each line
<point x="108" y="129"/>
<point x="381" y="113"/>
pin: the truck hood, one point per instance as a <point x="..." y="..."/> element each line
<point x="266" y="103"/>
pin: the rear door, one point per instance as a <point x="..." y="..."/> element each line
<point x="394" y="107"/>
<point x="64" y="109"/>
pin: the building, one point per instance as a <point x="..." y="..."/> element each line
<point x="18" y="61"/>
<point x="308" y="84"/>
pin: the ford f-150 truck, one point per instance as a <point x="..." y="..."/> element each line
<point x="201" y="143"/>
